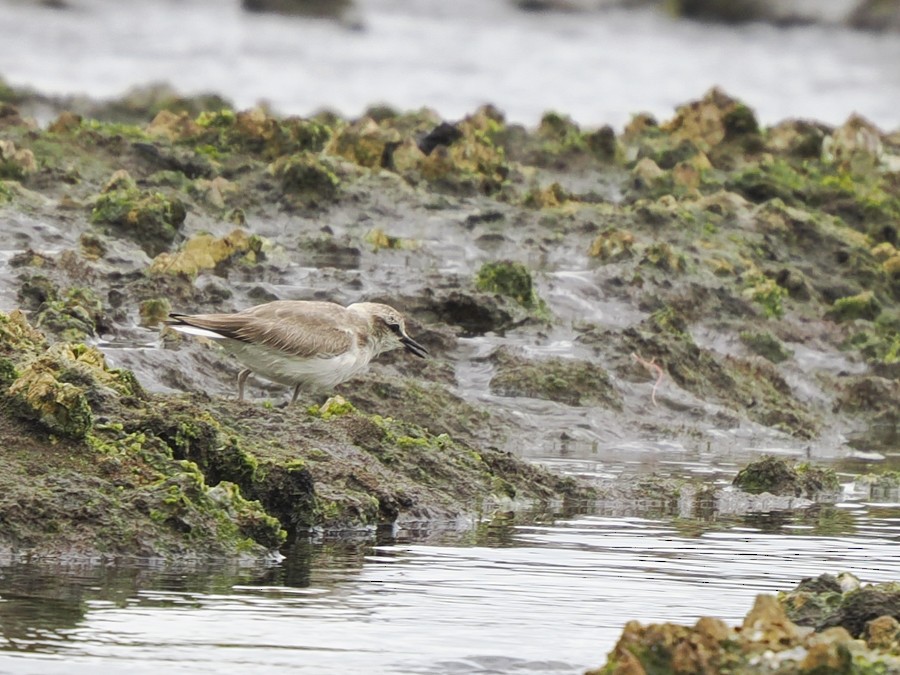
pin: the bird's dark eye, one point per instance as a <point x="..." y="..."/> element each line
<point x="395" y="328"/>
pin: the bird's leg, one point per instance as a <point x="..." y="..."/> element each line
<point x="242" y="377"/>
<point x="296" y="393"/>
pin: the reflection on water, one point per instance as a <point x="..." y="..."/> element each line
<point x="505" y="597"/>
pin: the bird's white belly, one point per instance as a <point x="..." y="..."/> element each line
<point x="316" y="372"/>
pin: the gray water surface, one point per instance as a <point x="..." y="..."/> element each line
<point x="501" y="598"/>
<point x="598" y="66"/>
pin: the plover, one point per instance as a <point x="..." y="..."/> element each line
<point x="316" y="345"/>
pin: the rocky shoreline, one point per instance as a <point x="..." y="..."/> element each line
<point x="730" y="277"/>
<point x="829" y="624"/>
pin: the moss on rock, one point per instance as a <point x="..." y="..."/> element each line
<point x="554" y="379"/>
<point x="860" y="306"/>
<point x="150" y="218"/>
<point x="766" y="345"/>
<point x="306" y="180"/>
<point x="778" y="477"/>
<point x="510" y="279"/>
<point x="205" y="252"/>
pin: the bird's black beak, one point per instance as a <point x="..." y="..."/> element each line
<point x="413" y="347"/>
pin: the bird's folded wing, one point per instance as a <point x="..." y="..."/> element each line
<point x="306" y="337"/>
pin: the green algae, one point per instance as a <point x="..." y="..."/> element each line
<point x="154" y="311"/>
<point x="665" y="257"/>
<point x="766" y="345"/>
<point x="306" y="179"/>
<point x="206" y="252"/>
<point x="152" y="219"/>
<point x="776" y="476"/>
<point x="148" y="498"/>
<point x="336" y="406"/>
<point x="566" y="381"/>
<point x="612" y="245"/>
<point x="72" y="316"/>
<point x="57" y="388"/>
<point x="862" y="306"/>
<point x="768" y="294"/>
<point x="257" y="133"/>
<point x="513" y="280"/>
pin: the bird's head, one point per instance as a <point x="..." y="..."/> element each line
<point x="388" y="327"/>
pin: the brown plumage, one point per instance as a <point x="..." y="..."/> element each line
<point x="313" y="344"/>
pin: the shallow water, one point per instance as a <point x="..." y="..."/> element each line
<point x="500" y="599"/>
<point x="598" y="66"/>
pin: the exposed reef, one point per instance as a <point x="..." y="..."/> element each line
<point x="689" y="279"/>
<point x="825" y="625"/>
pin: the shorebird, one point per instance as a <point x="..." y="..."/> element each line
<point x="316" y="345"/>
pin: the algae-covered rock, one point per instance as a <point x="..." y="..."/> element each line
<point x="612" y="244"/>
<point x="779" y="477"/>
<point x="15" y="164"/>
<point x="768" y="641"/>
<point x="510" y="279"/>
<point x="563" y="380"/>
<point x="59" y="387"/>
<point x="470" y="162"/>
<point x="204" y="252"/>
<point x="715" y="119"/>
<point x="766" y="345"/>
<point x="365" y="142"/>
<point x="70" y="315"/>
<point x="151" y="219"/>
<point x="59" y="406"/>
<point x="154" y="311"/>
<point x="827" y="601"/>
<point x="861" y="306"/>
<point x="306" y="180"/>
<point x="258" y="133"/>
<point x="17" y="336"/>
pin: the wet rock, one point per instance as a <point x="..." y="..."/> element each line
<point x="443" y="134"/>
<point x="868" y="394"/>
<point x="149" y="218"/>
<point x="612" y="244"/>
<point x="474" y="313"/>
<point x="861" y="306"/>
<point x="780" y="477"/>
<point x="512" y="280"/>
<point x="554" y="379"/>
<point x="766" y="345"/>
<point x="752" y="388"/>
<point x="258" y="134"/>
<point x="824" y="606"/>
<point x="329" y="251"/>
<point x="883" y="634"/>
<point x="797" y="138"/>
<point x="205" y="252"/>
<point x="15" y="163"/>
<point x="770" y="11"/>
<point x="306" y="180"/>
<point x="767" y="641"/>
